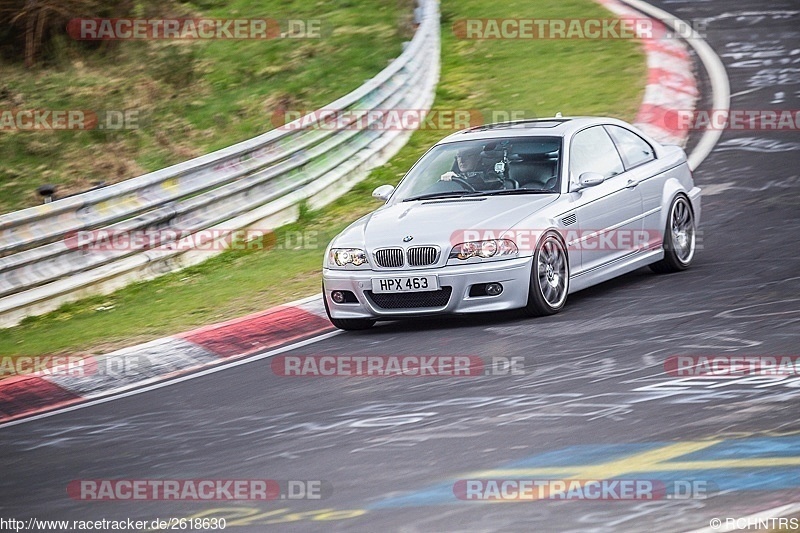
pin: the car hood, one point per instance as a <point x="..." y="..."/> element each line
<point x="438" y="222"/>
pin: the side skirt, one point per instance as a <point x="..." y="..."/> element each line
<point x="587" y="278"/>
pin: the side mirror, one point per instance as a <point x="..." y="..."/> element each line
<point x="589" y="179"/>
<point x="383" y="192"/>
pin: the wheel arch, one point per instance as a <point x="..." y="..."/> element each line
<point x="672" y="189"/>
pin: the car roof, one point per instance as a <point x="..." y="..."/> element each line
<point x="550" y="127"/>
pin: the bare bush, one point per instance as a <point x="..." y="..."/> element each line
<point x="32" y="23"/>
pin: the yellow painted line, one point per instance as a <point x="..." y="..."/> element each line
<point x="656" y="460"/>
<point x="640" y="462"/>
<point x="767" y="462"/>
<point x="572" y="472"/>
<point x="516" y="472"/>
<point x="643" y="462"/>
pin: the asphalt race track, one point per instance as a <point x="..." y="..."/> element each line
<point x="593" y="402"/>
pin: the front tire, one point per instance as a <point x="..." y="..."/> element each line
<point x="352" y="324"/>
<point x="547" y="292"/>
<point x="679" y="238"/>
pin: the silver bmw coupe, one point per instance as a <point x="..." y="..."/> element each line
<point x="514" y="215"/>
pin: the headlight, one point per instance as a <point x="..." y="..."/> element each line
<point x="345" y="256"/>
<point x="484" y="249"/>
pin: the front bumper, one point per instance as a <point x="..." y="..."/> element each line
<point x="513" y="274"/>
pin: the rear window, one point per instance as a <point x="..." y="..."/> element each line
<point x="634" y="150"/>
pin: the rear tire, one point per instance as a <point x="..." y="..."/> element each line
<point x="547" y="292"/>
<point x="347" y="324"/>
<point x="679" y="238"/>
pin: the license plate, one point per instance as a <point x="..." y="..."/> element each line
<point x="405" y="284"/>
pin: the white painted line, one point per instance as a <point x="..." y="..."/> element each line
<point x="748" y="91"/>
<point x="137" y="365"/>
<point x="721" y="100"/>
<point x="720" y="86"/>
<point x="116" y="394"/>
<point x="313" y="305"/>
<point x="775" y="512"/>
<point x="717" y="188"/>
<point x="307" y="299"/>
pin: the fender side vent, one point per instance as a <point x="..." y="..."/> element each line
<point x="569" y="219"/>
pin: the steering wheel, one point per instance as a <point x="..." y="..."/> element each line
<point x="464" y="183"/>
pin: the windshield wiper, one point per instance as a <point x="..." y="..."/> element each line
<point x="518" y="191"/>
<point x="449" y="194"/>
<point x="462" y="194"/>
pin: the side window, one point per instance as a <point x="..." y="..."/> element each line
<point x="634" y="149"/>
<point x="593" y="151"/>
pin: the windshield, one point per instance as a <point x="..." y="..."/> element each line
<point x="516" y="165"/>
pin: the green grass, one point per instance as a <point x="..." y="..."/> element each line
<point x="539" y="77"/>
<point x="191" y="97"/>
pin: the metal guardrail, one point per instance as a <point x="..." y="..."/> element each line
<point x="256" y="183"/>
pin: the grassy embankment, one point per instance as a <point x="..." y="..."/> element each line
<point x="190" y="97"/>
<point x="541" y="77"/>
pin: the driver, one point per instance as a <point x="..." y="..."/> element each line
<point x="467" y="162"/>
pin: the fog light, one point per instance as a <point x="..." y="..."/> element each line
<point x="493" y="289"/>
<point x="337" y="296"/>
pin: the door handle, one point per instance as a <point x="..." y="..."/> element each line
<point x="631" y="184"/>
